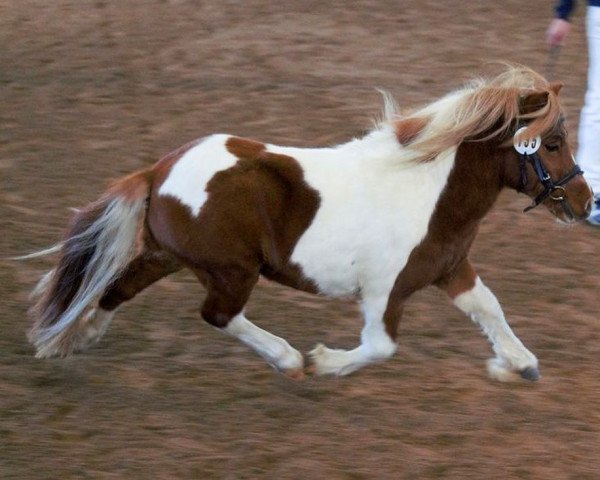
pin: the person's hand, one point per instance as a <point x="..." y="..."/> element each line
<point x="557" y="32"/>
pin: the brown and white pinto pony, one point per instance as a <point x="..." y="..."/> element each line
<point x="376" y="219"/>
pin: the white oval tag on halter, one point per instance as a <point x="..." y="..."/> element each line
<point x="527" y="146"/>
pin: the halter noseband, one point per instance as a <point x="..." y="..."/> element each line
<point x="528" y="153"/>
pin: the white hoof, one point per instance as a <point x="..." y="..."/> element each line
<point x="290" y="361"/>
<point x="499" y="370"/>
<point x="327" y="361"/>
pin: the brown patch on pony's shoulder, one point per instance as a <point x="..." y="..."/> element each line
<point x="410" y="128"/>
<point x="244" y="148"/>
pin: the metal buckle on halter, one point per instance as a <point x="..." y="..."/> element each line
<point x="559" y="198"/>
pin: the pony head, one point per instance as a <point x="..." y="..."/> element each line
<point x="541" y="163"/>
<point x="517" y="123"/>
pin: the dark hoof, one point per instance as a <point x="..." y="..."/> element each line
<point x="530" y="373"/>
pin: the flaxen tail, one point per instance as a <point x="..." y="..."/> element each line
<point x="101" y="241"/>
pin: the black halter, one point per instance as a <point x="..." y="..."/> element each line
<point x="552" y="189"/>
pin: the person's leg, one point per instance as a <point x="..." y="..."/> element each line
<point x="588" y="154"/>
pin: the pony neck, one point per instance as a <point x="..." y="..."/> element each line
<point x="475" y="182"/>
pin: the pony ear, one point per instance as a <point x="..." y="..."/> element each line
<point x="555" y="87"/>
<point x="533" y="102"/>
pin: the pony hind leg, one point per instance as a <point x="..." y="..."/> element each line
<point x="228" y="292"/>
<point x="141" y="272"/>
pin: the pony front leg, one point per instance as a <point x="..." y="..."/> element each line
<point x="476" y="300"/>
<point x="511" y="355"/>
<point x="376" y="343"/>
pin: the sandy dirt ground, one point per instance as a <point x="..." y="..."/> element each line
<point x="91" y="90"/>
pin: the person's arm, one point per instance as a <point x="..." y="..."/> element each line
<point x="560" y="26"/>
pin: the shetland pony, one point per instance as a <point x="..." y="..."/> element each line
<point x="376" y="219"/>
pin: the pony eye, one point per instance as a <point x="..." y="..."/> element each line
<point x="552" y="147"/>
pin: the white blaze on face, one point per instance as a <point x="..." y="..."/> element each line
<point x="189" y="176"/>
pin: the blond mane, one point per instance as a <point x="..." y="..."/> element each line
<point x="482" y="110"/>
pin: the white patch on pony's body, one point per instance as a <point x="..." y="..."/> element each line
<point x="375" y="209"/>
<point x="189" y="176"/>
<point x="511" y="355"/>
<point x="275" y="350"/>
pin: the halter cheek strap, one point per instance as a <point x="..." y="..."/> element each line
<point x="528" y="153"/>
<point x="554" y="190"/>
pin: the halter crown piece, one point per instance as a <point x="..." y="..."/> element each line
<point x="528" y="153"/>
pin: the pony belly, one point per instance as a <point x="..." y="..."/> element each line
<point x="351" y="265"/>
<point x="333" y="279"/>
